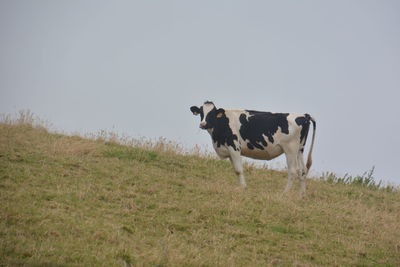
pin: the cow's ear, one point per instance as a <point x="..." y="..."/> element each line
<point x="195" y="110"/>
<point x="220" y="113"/>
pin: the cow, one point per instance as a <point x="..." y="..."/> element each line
<point x="259" y="135"/>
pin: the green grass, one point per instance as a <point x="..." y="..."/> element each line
<point x="70" y="201"/>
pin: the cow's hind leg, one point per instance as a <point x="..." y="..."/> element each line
<point x="302" y="172"/>
<point x="291" y="153"/>
<point x="291" y="159"/>
<point x="236" y="161"/>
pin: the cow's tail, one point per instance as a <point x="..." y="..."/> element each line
<point x="309" y="157"/>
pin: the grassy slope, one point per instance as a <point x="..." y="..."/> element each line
<point x="72" y="201"/>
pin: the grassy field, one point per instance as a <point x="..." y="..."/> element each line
<point x="70" y="201"/>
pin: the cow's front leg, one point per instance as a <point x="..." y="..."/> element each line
<point x="236" y="160"/>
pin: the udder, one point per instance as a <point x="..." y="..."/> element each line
<point x="268" y="153"/>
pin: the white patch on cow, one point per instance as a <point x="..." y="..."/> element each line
<point x="206" y="109"/>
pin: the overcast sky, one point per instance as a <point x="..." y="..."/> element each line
<point x="136" y="67"/>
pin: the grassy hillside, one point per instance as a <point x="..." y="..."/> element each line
<point x="69" y="201"/>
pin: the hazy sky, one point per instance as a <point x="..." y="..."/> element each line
<point x="137" y="66"/>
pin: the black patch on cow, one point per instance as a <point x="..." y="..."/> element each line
<point x="222" y="134"/>
<point x="194" y="109"/>
<point x="250" y="146"/>
<point x="262" y="123"/>
<point x="211" y="118"/>
<point x="304" y="122"/>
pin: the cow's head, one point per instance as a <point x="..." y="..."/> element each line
<point x="209" y="114"/>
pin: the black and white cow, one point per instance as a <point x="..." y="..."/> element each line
<point x="259" y="135"/>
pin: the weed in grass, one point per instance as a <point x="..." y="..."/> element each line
<point x="367" y="179"/>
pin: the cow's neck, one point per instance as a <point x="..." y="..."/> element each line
<point x="222" y="134"/>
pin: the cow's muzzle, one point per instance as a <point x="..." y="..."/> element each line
<point x="203" y="125"/>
